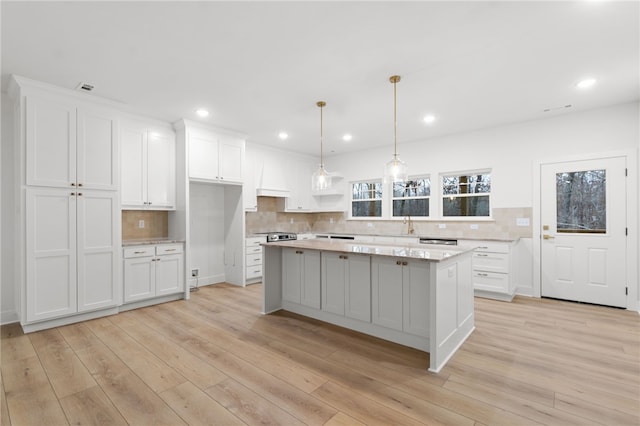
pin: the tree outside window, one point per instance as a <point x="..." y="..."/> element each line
<point x="466" y="195"/>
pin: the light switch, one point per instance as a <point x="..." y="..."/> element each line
<point x="522" y="221"/>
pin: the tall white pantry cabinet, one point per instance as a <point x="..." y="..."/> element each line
<point x="68" y="219"/>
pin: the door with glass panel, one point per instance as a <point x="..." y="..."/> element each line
<point x="583" y="226"/>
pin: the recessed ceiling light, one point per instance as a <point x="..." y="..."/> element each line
<point x="347" y="137"/>
<point x="202" y="112"/>
<point x="429" y="118"/>
<point x="586" y="83"/>
<point x="283" y="135"/>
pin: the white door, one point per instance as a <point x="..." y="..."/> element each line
<point x="51" y="253"/>
<point x="97" y="149"/>
<point x="169" y="274"/>
<point x="133" y="144"/>
<point x="583" y="246"/>
<point x="98" y="250"/>
<point x="50" y="143"/>
<point x="161" y="170"/>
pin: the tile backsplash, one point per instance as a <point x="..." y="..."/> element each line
<point x="269" y="217"/>
<point x="156" y="224"/>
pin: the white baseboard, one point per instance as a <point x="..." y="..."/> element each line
<point x="8" y="317"/>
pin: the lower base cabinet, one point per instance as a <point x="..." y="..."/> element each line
<point x="301" y="277"/>
<point x="400" y="293"/>
<point x="153" y="271"/>
<point x="346" y="285"/>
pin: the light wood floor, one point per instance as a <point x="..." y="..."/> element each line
<point x="216" y="360"/>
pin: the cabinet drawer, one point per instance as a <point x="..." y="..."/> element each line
<point x="254" y="241"/>
<point x="254" y="259"/>
<point x="490" y="281"/>
<point x="254" y="271"/>
<point x="491" y="262"/>
<point x="139" y="251"/>
<point x="254" y="250"/>
<point x="168" y="249"/>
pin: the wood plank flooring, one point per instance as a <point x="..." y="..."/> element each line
<point x="214" y="360"/>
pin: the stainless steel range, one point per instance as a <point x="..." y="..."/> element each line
<point x="280" y="236"/>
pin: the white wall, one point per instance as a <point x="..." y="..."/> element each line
<point x="510" y="151"/>
<point x="207" y="232"/>
<point x="7" y="285"/>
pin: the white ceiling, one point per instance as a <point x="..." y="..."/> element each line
<point x="261" y="66"/>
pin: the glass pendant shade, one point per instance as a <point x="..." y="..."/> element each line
<point x="395" y="170"/>
<point x="321" y="179"/>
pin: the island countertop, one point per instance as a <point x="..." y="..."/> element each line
<point x="433" y="253"/>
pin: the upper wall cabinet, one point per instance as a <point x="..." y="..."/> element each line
<point x="69" y="145"/>
<point x="213" y="155"/>
<point x="148" y="167"/>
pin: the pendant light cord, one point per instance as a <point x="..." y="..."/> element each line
<point x="395" y="79"/>
<point x="321" y="104"/>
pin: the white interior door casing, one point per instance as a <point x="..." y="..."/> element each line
<point x="582" y="265"/>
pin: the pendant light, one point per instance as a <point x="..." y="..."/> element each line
<point x="321" y="179"/>
<point x="396" y="169"/>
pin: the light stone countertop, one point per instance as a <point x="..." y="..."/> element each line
<point x="434" y="253"/>
<point x="502" y="240"/>
<point x="146" y="241"/>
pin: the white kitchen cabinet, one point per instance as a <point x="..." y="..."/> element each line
<point x="72" y="256"/>
<point x="301" y="277"/>
<point x="148" y="167"/>
<point x="492" y="267"/>
<point x="299" y="174"/>
<point x="249" y="186"/>
<point x="346" y="285"/>
<point x="400" y="291"/>
<point x="153" y="271"/>
<point x="69" y="145"/>
<point x="214" y="156"/>
<point x="253" y="259"/>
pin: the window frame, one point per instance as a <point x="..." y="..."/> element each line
<point x="381" y="199"/>
<point x="429" y="197"/>
<point x="442" y="195"/>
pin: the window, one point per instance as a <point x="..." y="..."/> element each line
<point x="411" y="198"/>
<point x="581" y="202"/>
<point x="366" y="199"/>
<point x="466" y="195"/>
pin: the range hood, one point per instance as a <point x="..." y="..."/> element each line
<point x="272" y="182"/>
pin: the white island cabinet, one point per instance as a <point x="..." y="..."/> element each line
<point x="418" y="296"/>
<point x="493" y="268"/>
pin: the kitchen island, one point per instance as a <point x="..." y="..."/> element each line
<point x="420" y="296"/>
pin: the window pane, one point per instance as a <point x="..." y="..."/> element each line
<point x="366" y="208"/>
<point x="581" y="201"/>
<point x="466" y="206"/>
<point x="411" y="207"/>
<point x="466" y="184"/>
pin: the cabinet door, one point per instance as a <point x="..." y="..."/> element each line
<point x="230" y="160"/>
<point x="386" y="287"/>
<point x="358" y="287"/>
<point x="203" y="156"/>
<point x="50" y="253"/>
<point x="133" y="166"/>
<point x="98" y="236"/>
<point x="50" y="143"/>
<point x="161" y="170"/>
<point x="139" y="279"/>
<point x="97" y="149"/>
<point x="291" y="274"/>
<point x="249" y="186"/>
<point x="169" y="274"/>
<point x="310" y="286"/>
<point x="333" y="282"/>
<point x="299" y="178"/>
<point x="416" y="298"/>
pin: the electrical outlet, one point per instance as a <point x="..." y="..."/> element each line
<point x="442" y="225"/>
<point x="473" y="226"/>
<point x="330" y="220"/>
<point x="141" y="223"/>
<point x="195" y="272"/>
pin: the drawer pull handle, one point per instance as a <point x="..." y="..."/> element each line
<point x="405" y="263"/>
<point x="139" y="252"/>
<point x="483" y="247"/>
<point x="398" y="262"/>
<point x="482" y="255"/>
<point x="483" y="275"/>
<point x="170" y="250"/>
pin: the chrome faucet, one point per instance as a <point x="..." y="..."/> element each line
<point x="409" y="223"/>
